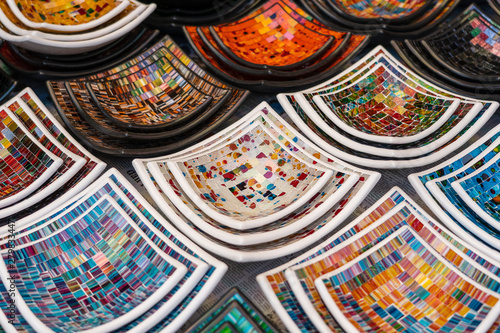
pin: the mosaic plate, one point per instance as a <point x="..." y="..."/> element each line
<point x="38" y="113"/>
<point x="450" y="137"/>
<point x="403" y="282"/>
<point x="294" y="295"/>
<point x="236" y="309"/>
<point x="435" y="187"/>
<point x="25" y="163"/>
<point x="278" y="247"/>
<point x="249" y="182"/>
<point x="338" y="185"/>
<point x="161" y="233"/>
<point x="66" y="16"/>
<point x="381" y="108"/>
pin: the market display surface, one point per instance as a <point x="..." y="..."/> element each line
<point x="249" y="166"/>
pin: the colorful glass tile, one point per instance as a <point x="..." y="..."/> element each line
<point x="379" y="9"/>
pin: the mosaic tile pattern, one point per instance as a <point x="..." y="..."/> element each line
<point x="235" y="308"/>
<point x="22" y="162"/>
<point x="406" y="285"/>
<point x="64" y="12"/>
<point x="99" y="257"/>
<point x="381" y="104"/>
<point x="250" y="178"/>
<point x="386" y="9"/>
<point x="473" y="47"/>
<point x="484" y="187"/>
<point x="273" y="38"/>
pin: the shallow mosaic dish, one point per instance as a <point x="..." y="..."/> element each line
<point x="479" y="190"/>
<point x="397" y="269"/>
<point x="25" y="163"/>
<point x="275" y="248"/>
<point x="381" y="108"/>
<point x="342" y="180"/>
<point x="435" y="187"/>
<point x="247" y="319"/>
<point x="302" y="309"/>
<point x="36" y="112"/>
<point x="134" y="270"/>
<point x="471" y="50"/>
<point x="66" y="16"/>
<point x="463" y="124"/>
<point x="42" y="45"/>
<point x="249" y="182"/>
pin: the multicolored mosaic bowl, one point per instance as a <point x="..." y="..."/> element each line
<point x="470" y="66"/>
<point x="436" y="187"/>
<point x="396" y="18"/>
<point x="304" y="226"/>
<point x="467" y="118"/>
<point x="202" y="272"/>
<point x="165" y="113"/>
<point x="394" y="220"/>
<point x="15" y="28"/>
<point x="278" y="46"/>
<point x="66" y="16"/>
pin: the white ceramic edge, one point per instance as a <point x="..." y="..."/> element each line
<point x="461" y="218"/>
<point x="256" y="222"/>
<point x="67" y="28"/>
<point x="473" y="204"/>
<point x="242" y="256"/>
<point x="319" y="282"/>
<point x="390" y="164"/>
<point x="73" y="37"/>
<point x="305" y="257"/>
<point x="34" y="43"/>
<point x="426" y="196"/>
<point x="99" y="168"/>
<point x="319" y="100"/>
<point x="56" y="163"/>
<point x="116" y="323"/>
<point x="79" y="162"/>
<point x="4" y="322"/>
<point x="220" y="267"/>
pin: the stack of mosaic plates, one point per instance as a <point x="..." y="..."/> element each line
<point x="52" y="27"/>
<point x="233" y="313"/>
<point x="42" y="165"/>
<point x="377" y="113"/>
<point x="462" y="54"/>
<point x="45" y="66"/>
<point x="156" y="103"/>
<point x="200" y="12"/>
<point x="464" y="192"/>
<point x="403" y="18"/>
<point x="102" y="261"/>
<point x="277" y="47"/>
<point x="391" y="269"/>
<point x="255" y="191"/>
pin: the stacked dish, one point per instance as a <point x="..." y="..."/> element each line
<point x="462" y="54"/>
<point x="401" y="18"/>
<point x="158" y="102"/>
<point x="103" y="261"/>
<point x="258" y="190"/>
<point x="379" y="114"/>
<point x="232" y="313"/>
<point x="495" y="4"/>
<point x="200" y="12"/>
<point x="55" y="28"/>
<point x="391" y="269"/>
<point x="278" y="46"/>
<point x="463" y="192"/>
<point x="42" y="165"/>
<point x="44" y="66"/>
